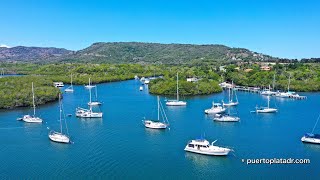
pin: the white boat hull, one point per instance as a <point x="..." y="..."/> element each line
<point x="268" y="110"/>
<point x="30" y="119"/>
<point x="58" y="137"/>
<point x="176" y="103"/>
<point x="84" y="113"/>
<point x="89" y="115"/>
<point x="94" y="103"/>
<point x="231" y="104"/>
<point x="154" y="125"/>
<point x="211" y="152"/>
<point x="215" y="110"/>
<point x="89" y="86"/>
<point x="308" y="139"/>
<point x="227" y="119"/>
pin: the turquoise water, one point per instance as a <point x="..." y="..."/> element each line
<point x="119" y="147"/>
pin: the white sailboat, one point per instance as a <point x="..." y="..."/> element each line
<point x="88" y="113"/>
<point x="215" y="109"/>
<point x="268" y="92"/>
<point x="265" y="109"/>
<point x="141" y="88"/>
<point x="89" y="86"/>
<point x="287" y="94"/>
<point x="94" y="103"/>
<point x="176" y="102"/>
<point x="70" y="88"/>
<point x="226" y="117"/>
<point x="32" y="118"/>
<point x="157" y="124"/>
<point x="59" y="137"/>
<point x="231" y="102"/>
<point x="311" y="137"/>
<point x="202" y="146"/>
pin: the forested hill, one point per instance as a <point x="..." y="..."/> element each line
<point x="22" y="53"/>
<point x="134" y="52"/>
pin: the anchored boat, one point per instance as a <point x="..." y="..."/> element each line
<point x="202" y="146"/>
<point x="59" y="137"/>
<point x="157" y="124"/>
<point x="70" y="88"/>
<point x="265" y="109"/>
<point x="230" y="100"/>
<point x="311" y="137"/>
<point x="176" y="102"/>
<point x="31" y="118"/>
<point x="215" y="109"/>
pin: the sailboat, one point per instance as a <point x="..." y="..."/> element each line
<point x="265" y="109"/>
<point x="268" y="92"/>
<point x="32" y="118"/>
<point x="157" y="124"/>
<point x="70" y="88"/>
<point x="215" y="109"/>
<point x="226" y="117"/>
<point x="287" y="94"/>
<point x="88" y="113"/>
<point x="59" y="137"/>
<point x="94" y="103"/>
<point x="311" y="137"/>
<point x="176" y="102"/>
<point x="89" y="86"/>
<point x="231" y="102"/>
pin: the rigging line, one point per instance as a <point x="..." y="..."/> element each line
<point x="316" y="124"/>
<point x="64" y="117"/>
<point x="166" y="118"/>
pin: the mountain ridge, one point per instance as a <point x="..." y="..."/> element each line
<point x="134" y="52"/>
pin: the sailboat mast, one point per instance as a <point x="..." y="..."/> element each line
<point x="34" y="106"/>
<point x="177" y="86"/>
<point x="71" y="80"/>
<point x="268" y="102"/>
<point x="90" y="94"/>
<point x="60" y="104"/>
<point x="289" y="82"/>
<point x="96" y="93"/>
<point x="274" y="79"/>
<point x="158" y="108"/>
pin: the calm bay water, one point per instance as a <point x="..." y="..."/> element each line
<point x="119" y="147"/>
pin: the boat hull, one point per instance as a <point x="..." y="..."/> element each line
<point x="270" y="110"/>
<point x="30" y="119"/>
<point x="227" y="119"/>
<point x="154" y="125"/>
<point x="59" y="138"/>
<point x="230" y="104"/>
<point x="214" y="111"/>
<point x="176" y="103"/>
<point x="224" y="152"/>
<point x="94" y="103"/>
<point x="310" y="140"/>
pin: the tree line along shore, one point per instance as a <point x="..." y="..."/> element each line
<point x="16" y="91"/>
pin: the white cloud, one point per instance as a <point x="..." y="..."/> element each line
<point x="3" y="45"/>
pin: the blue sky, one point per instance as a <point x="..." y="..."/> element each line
<point x="280" y="28"/>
